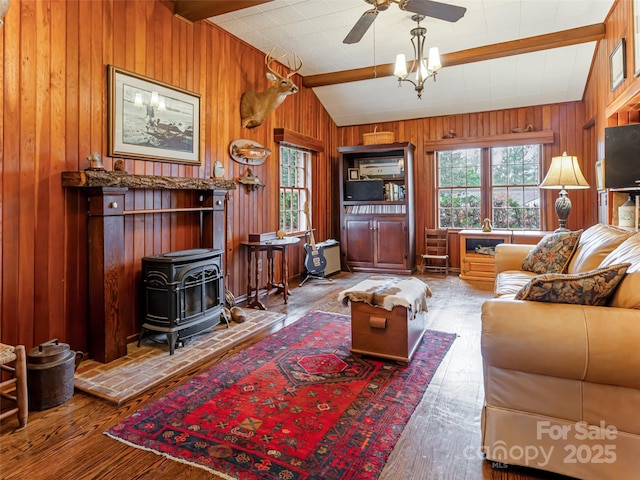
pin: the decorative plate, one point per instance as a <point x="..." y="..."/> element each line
<point x="248" y="152"/>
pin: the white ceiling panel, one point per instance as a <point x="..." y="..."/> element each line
<point x="314" y="29"/>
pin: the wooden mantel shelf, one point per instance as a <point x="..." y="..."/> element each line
<point x="99" y="178"/>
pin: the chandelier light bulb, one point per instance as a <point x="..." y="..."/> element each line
<point x="434" y="59"/>
<point x="421" y="72"/>
<point x="401" y="65"/>
<point x="154" y="99"/>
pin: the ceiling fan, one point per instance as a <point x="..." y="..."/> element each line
<point x="429" y="8"/>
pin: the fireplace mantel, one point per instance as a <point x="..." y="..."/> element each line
<point x="101" y="178"/>
<point x="106" y="193"/>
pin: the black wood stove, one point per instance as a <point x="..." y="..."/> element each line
<point x="183" y="293"/>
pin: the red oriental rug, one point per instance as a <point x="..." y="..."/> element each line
<point x="296" y="405"/>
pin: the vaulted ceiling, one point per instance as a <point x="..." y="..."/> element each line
<point x="501" y="54"/>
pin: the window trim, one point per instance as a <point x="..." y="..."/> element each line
<point x="486" y="181"/>
<point x="305" y="190"/>
<point x="542" y="137"/>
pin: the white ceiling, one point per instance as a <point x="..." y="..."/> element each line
<point x="314" y="30"/>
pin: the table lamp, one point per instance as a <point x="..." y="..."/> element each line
<point x="564" y="174"/>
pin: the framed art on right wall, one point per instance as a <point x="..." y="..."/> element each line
<point x="636" y="37"/>
<point x="617" y="65"/>
<point x="600" y="176"/>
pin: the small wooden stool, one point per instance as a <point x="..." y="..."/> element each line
<point x="17" y="384"/>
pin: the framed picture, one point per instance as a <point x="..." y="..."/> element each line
<point x="354" y="174"/>
<point x="600" y="175"/>
<point x="152" y="120"/>
<point x="636" y="37"/>
<point x="617" y="65"/>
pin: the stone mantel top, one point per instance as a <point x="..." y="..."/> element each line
<point x="101" y="178"/>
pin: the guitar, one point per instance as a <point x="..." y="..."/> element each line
<point x="314" y="260"/>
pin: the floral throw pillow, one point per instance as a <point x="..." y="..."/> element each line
<point x="553" y="253"/>
<point x="589" y="288"/>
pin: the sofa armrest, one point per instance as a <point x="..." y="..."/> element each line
<point x="509" y="256"/>
<point x="595" y="344"/>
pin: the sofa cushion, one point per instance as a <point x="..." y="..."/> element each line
<point x="511" y="281"/>
<point x="589" y="288"/>
<point x="595" y="244"/>
<point x="627" y="295"/>
<point x="553" y="253"/>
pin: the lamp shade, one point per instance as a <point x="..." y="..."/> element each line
<point x="564" y="173"/>
<point x="434" y="59"/>
<point x="401" y="66"/>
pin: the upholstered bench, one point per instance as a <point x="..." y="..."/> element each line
<point x="387" y="316"/>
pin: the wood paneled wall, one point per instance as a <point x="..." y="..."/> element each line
<point x="622" y="106"/>
<point x="54" y="112"/>
<point x="565" y="120"/>
<point x="53" y="98"/>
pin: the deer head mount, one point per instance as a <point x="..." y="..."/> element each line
<point x="255" y="106"/>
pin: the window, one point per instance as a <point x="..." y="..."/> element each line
<point x="515" y="196"/>
<point x="459" y="192"/>
<point x="295" y="188"/>
<point x="500" y="183"/>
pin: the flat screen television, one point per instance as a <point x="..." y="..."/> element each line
<point x="622" y="156"/>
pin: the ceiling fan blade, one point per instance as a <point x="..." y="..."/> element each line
<point x="429" y="8"/>
<point x="361" y="26"/>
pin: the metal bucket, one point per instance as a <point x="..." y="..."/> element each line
<point x="50" y="369"/>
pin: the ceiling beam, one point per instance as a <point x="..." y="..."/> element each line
<point x="574" y="36"/>
<point x="194" y="10"/>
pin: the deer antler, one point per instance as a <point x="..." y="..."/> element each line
<point x="270" y="58"/>
<point x="296" y="68"/>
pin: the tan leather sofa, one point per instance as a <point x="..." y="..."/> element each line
<point x="562" y="382"/>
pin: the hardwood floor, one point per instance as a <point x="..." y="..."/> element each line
<point x="441" y="441"/>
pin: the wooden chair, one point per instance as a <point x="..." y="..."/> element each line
<point x="436" y="247"/>
<point x="14" y="388"/>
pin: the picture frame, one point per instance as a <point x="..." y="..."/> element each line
<point x="354" y="174"/>
<point x="380" y="167"/>
<point x="151" y="120"/>
<point x="600" y="175"/>
<point x="636" y="37"/>
<point x="617" y="65"/>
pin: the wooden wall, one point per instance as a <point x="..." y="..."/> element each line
<point x="578" y="128"/>
<point x="53" y="98"/>
<point x="622" y="106"/>
<point x="53" y="101"/>
<point x="565" y="120"/>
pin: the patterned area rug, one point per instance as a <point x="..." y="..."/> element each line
<point x="296" y="405"/>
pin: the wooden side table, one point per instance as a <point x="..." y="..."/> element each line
<point x="477" y="254"/>
<point x="253" y="278"/>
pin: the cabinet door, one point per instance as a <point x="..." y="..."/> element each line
<point x="391" y="242"/>
<point x="358" y="242"/>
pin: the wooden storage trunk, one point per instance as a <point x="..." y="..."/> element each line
<point x="383" y="333"/>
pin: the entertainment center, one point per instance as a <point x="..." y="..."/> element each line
<point x="377" y="207"/>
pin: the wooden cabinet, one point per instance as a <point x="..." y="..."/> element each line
<point x="618" y="197"/>
<point x="477" y="249"/>
<point x="477" y="253"/>
<point x="377" y="208"/>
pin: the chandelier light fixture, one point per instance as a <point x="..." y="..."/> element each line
<point x="422" y="68"/>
